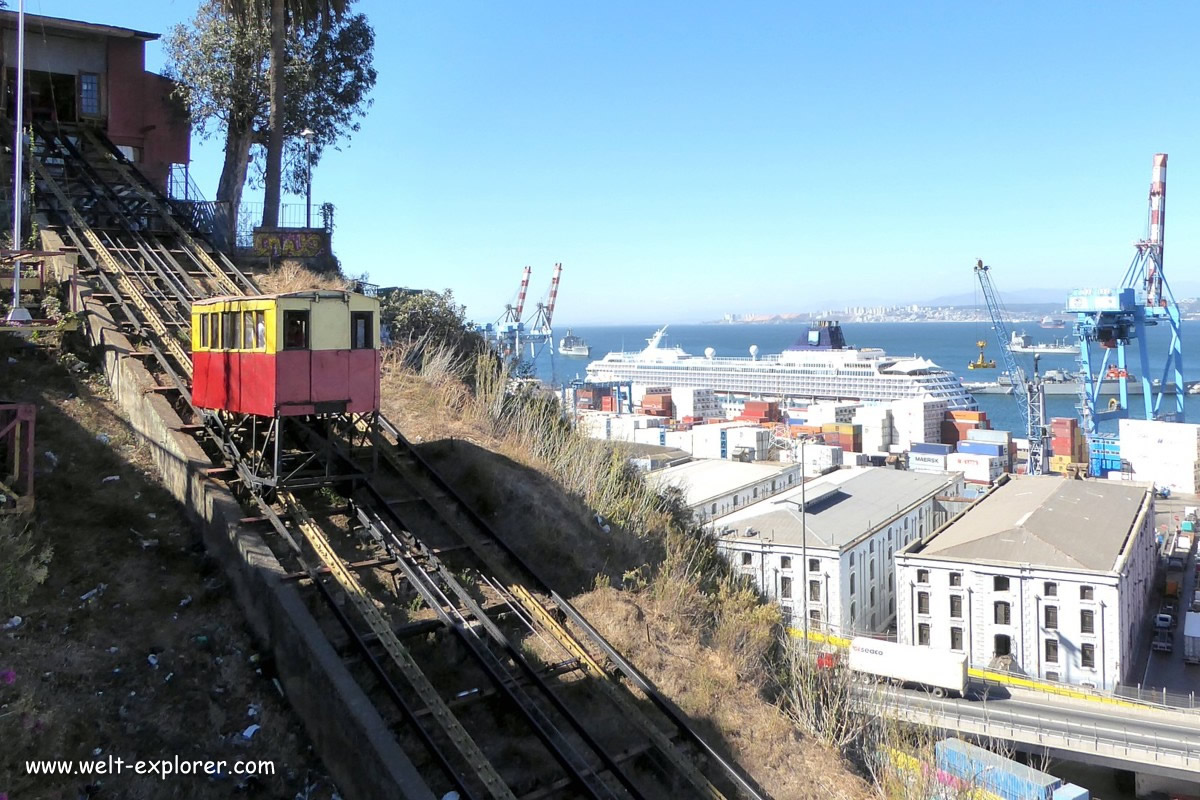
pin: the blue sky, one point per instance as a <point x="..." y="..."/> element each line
<point x="688" y="159"/>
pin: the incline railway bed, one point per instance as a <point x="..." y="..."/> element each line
<point x="491" y="682"/>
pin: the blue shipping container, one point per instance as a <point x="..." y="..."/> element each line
<point x="931" y="447"/>
<point x="981" y="448"/>
<point x="994" y="773"/>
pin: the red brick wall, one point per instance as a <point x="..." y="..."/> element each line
<point x="141" y="112"/>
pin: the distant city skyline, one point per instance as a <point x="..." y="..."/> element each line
<point x="684" y="160"/>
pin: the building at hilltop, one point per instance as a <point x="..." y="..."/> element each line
<point x="93" y="74"/>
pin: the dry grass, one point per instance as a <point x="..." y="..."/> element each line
<point x="700" y="633"/>
<point x="291" y="276"/>
<point x="82" y="674"/>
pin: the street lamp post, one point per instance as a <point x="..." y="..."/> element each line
<point x="308" y="134"/>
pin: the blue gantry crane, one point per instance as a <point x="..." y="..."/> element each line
<point x="1030" y="393"/>
<point x="1110" y="320"/>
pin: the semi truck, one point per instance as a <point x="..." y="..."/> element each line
<point x="938" y="671"/>
<point x="1191" y="638"/>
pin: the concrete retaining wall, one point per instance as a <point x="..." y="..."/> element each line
<point x="351" y="738"/>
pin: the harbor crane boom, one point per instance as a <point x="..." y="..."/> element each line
<point x="1029" y="394"/>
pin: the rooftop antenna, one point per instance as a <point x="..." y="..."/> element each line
<point x="18" y="313"/>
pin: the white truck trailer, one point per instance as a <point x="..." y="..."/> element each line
<point x="1191" y="638"/>
<point x="940" y="671"/>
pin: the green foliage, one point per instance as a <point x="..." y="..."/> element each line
<point x="221" y="61"/>
<point x="425" y="323"/>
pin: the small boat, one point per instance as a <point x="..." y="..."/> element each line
<point x="1020" y="343"/>
<point x="572" y="345"/>
<point x="1051" y="322"/>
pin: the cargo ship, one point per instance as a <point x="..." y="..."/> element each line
<point x="1052" y="322"/>
<point x="1063" y="382"/>
<point x="572" y="345"/>
<point x="1020" y="343"/>
<point x="819" y="366"/>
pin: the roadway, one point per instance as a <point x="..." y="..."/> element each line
<point x="1159" y="742"/>
<point x="1167" y="670"/>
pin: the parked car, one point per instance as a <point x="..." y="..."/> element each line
<point x="1162" y="492"/>
<point x="1164" y="622"/>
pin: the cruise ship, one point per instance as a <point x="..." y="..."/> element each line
<point x="820" y="366"/>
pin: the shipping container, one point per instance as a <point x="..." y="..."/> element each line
<point x="994" y="773"/>
<point x="931" y="447"/>
<point x="1191" y="638"/>
<point x="987" y="435"/>
<point x="982" y="448"/>
<point x="968" y="416"/>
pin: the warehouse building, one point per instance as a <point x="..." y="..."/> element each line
<point x="826" y="553"/>
<point x="1044" y="576"/>
<point x="713" y="488"/>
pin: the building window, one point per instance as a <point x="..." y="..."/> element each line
<point x="923" y="634"/>
<point x="956" y="606"/>
<point x="891" y="605"/>
<point x="956" y="579"/>
<point x="814" y="616"/>
<point x="922" y="576"/>
<point x="714" y="508"/>
<point x="891" y="583"/>
<point x="872" y="620"/>
<point x="1087" y="621"/>
<point x="785" y="562"/>
<point x="956" y="638"/>
<point x="746" y="559"/>
<point x="889" y="554"/>
<point x="1052" y="651"/>
<point x="1050" y="589"/>
<point x="361" y="330"/>
<point x="1087" y="656"/>
<point x="785" y="587"/>
<point x="922" y="602"/>
<point x="872" y="596"/>
<point x="871" y="569"/>
<point x="1000" y="583"/>
<point x="852" y="558"/>
<point x="89" y="94"/>
<point x="814" y="565"/>
<point x="871" y="546"/>
<point x="852" y="586"/>
<point x="1051" y="617"/>
<point x="295" y="330"/>
<point x="1002" y="613"/>
<point x="853" y="614"/>
<point x="814" y="590"/>
<point x="1087" y="593"/>
<point x="1052" y="677"/>
<point x="756" y="491"/>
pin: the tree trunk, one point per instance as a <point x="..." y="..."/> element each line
<point x="275" y="140"/>
<point x="238" y="139"/>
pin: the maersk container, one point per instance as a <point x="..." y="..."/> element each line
<point x="1069" y="791"/>
<point x="941" y="671"/>
<point x="934" y="448"/>
<point x="994" y="773"/>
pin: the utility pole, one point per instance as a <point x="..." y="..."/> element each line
<point x="308" y="135"/>
<point x="18" y="313"/>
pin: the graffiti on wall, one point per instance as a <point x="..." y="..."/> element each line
<point x="290" y="242"/>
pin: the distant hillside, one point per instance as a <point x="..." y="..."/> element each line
<point x="1013" y="299"/>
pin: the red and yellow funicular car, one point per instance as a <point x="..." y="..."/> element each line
<point x="287" y="355"/>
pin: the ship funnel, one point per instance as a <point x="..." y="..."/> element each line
<point x="754" y="351"/>
<point x="709" y="353"/>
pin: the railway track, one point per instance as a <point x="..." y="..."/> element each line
<point x="493" y="683"/>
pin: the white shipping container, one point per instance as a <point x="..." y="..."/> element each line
<point x="926" y="462"/>
<point x="1191" y="638"/>
<point x="940" y="670"/>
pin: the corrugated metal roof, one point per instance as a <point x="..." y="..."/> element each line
<point x="1046" y="520"/>
<point x="708" y="479"/>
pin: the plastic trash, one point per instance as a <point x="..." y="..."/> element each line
<point x="152" y="515"/>
<point x="250" y="731"/>
<point x="253" y="710"/>
<point x="452" y="795"/>
<point x="185" y="602"/>
<point x="111" y="478"/>
<point x="52" y="458"/>
<point x="13" y="623"/>
<point x="152" y="660"/>
<point x="93" y="593"/>
<point x="8" y="677"/>
<point x="103" y="438"/>
<point x="97" y="751"/>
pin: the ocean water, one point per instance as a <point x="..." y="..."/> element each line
<point x="949" y="344"/>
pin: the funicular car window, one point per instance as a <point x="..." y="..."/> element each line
<point x="295" y="330"/>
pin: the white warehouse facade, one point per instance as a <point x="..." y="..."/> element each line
<point x="1043" y="576"/>
<point x="839" y="574"/>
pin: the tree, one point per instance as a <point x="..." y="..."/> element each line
<point x="222" y="61"/>
<point x="280" y="15"/>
